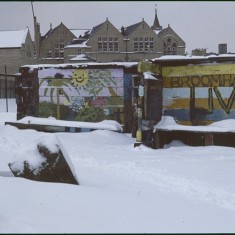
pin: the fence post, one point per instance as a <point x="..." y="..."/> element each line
<point x="6" y="88"/>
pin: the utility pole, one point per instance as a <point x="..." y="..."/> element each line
<point x="35" y="35"/>
<point x="6" y="88"/>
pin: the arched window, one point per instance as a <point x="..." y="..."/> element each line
<point x="174" y="48"/>
<point x="169" y="46"/>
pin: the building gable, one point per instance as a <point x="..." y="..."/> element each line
<point x="54" y="42"/>
<point x="105" y="37"/>
<point x="61" y="30"/>
<point x="172" y="43"/>
<point x="143" y="38"/>
<point x="141" y="28"/>
<point x="170" y="32"/>
<point x="105" y="28"/>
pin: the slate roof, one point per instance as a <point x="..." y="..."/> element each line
<point x="131" y="28"/>
<point x="96" y="28"/>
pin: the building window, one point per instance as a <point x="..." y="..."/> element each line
<point x="143" y="44"/>
<point x="111" y="46"/>
<point x="168" y="42"/>
<point x="57" y="53"/>
<point x="151" y="46"/>
<point x="59" y="50"/>
<point x="61" y="45"/>
<point x="99" y="46"/>
<point x="79" y="51"/>
<point x="170" y="47"/>
<point x="116" y="47"/>
<point x="146" y="46"/>
<point x="174" y="48"/>
<point x="105" y="48"/>
<point x="136" y="46"/>
<point x="49" y="53"/>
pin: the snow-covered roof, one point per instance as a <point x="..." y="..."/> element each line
<point x="211" y="58"/>
<point x="13" y="39"/>
<point x="78" y="45"/>
<point x="103" y="125"/>
<point x="82" y="57"/>
<point x="149" y="75"/>
<point x="179" y="57"/>
<point x="157" y="30"/>
<point x="83" y="65"/>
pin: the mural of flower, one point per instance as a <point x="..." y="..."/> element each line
<point x="77" y="103"/>
<point x="85" y="92"/>
<point x="99" y="102"/>
<point x="100" y="79"/>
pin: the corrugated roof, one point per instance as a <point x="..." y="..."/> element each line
<point x="13" y="39"/>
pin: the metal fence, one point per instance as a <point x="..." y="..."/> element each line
<point x="7" y="86"/>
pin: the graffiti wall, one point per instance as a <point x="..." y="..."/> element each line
<point x="199" y="94"/>
<point x="81" y="94"/>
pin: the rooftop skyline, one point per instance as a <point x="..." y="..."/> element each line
<point x="199" y="24"/>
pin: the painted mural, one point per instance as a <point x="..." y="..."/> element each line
<point x="199" y="94"/>
<point x="81" y="94"/>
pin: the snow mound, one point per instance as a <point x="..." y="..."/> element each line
<point x="103" y="125"/>
<point x="30" y="155"/>
<point x="44" y="160"/>
<point x="174" y="143"/>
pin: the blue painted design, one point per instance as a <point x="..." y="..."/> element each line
<point x="127" y="86"/>
<point x="184" y="115"/>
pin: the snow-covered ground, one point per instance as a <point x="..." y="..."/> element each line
<point x="178" y="189"/>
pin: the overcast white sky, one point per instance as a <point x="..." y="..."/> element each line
<point x="201" y="24"/>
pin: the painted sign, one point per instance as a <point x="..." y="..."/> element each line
<point x="199" y="94"/>
<point x="81" y="94"/>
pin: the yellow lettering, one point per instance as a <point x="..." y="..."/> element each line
<point x="206" y="81"/>
<point x="195" y="80"/>
<point x="175" y="82"/>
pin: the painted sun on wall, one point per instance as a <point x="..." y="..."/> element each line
<point x="81" y="94"/>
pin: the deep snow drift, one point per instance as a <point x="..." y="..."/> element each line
<point x="179" y="189"/>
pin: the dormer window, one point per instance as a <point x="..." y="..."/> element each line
<point x="61" y="45"/>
